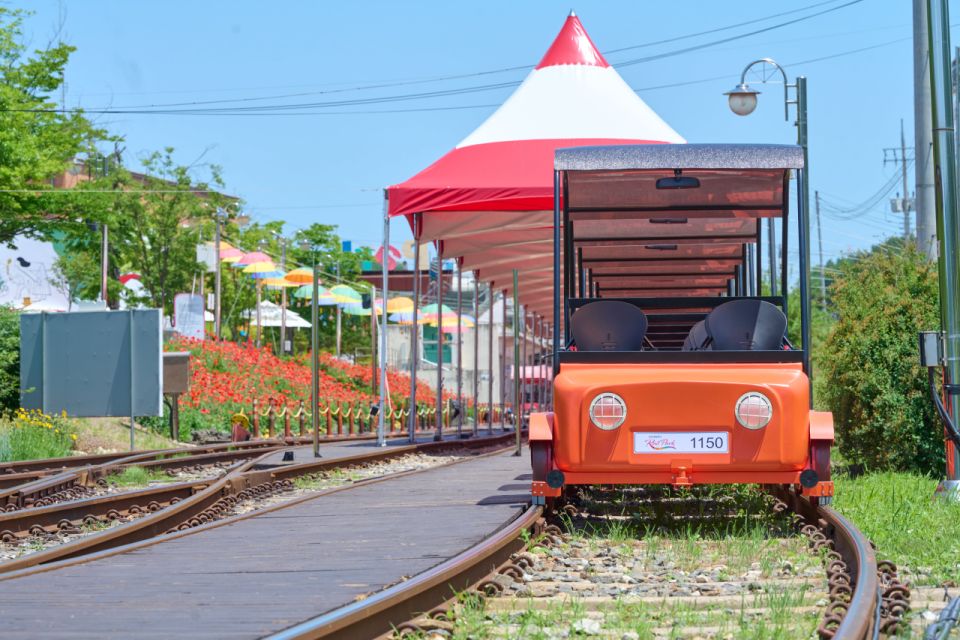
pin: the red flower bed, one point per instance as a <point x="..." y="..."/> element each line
<point x="225" y="377"/>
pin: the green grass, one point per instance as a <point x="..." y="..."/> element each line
<point x="137" y="476"/>
<point x="898" y="512"/>
<point x="772" y="616"/>
<point x="28" y="435"/>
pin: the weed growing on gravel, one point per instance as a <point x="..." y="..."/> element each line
<point x="137" y="476"/>
<point x="898" y="512"/>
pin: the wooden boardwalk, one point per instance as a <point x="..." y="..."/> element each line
<point x="264" y="573"/>
<point x="342" y="449"/>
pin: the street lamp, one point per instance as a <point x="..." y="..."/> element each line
<point x="308" y="246"/>
<point x="743" y="100"/>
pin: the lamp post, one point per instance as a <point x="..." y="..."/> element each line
<point x="743" y="100"/>
<point x="306" y="245"/>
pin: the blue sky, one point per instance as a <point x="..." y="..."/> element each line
<point x="330" y="167"/>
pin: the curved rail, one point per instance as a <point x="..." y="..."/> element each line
<point x="861" y="614"/>
<point x="379" y="613"/>
<point x="388" y="609"/>
<point x="205" y="504"/>
<point x="859" y="621"/>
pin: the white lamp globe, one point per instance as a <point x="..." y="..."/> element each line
<point x="743" y="99"/>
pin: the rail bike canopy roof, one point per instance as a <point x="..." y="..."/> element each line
<point x="667" y="222"/>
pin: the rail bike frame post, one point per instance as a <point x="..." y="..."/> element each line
<point x="556" y="273"/>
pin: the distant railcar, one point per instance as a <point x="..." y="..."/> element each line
<point x="675" y="366"/>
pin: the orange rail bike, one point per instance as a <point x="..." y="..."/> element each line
<point x="672" y="368"/>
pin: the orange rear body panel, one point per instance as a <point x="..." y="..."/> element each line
<point x="673" y="400"/>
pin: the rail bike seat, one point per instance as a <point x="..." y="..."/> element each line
<point x="608" y="325"/>
<point x="697" y="339"/>
<point x="740" y="325"/>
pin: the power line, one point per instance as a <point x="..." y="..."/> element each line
<point x="197" y="108"/>
<point x="849" y="213"/>
<point x="399" y="83"/>
<point x="660" y="56"/>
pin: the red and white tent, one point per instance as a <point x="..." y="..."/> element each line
<point x="489" y="201"/>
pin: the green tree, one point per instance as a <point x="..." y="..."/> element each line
<point x="9" y="359"/>
<point x="38" y="140"/>
<point x="155" y="220"/>
<point x="873" y="382"/>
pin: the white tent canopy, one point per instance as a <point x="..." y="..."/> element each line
<point x="270" y="316"/>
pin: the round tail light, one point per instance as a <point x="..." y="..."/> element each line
<point x="753" y="410"/>
<point x="608" y="411"/>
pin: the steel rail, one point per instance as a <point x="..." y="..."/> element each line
<point x="63" y="515"/>
<point x="35" y="471"/>
<point x="855" y="549"/>
<point x="39" y="482"/>
<point x="383" y="611"/>
<point x="193" y="511"/>
<point x="858" y="623"/>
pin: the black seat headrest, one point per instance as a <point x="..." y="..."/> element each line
<point x="697" y="339"/>
<point x="746" y="325"/>
<point x="608" y="325"/>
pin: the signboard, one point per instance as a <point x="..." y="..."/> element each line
<point x="207" y="256"/>
<point x="92" y="364"/>
<point x="28" y="276"/>
<point x="188" y="315"/>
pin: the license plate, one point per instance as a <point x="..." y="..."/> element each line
<point x="681" y="442"/>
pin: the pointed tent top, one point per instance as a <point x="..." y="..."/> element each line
<point x="573" y="46"/>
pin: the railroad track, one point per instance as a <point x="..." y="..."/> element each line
<point x="43" y="482"/>
<point x="864" y="597"/>
<point x="134" y="516"/>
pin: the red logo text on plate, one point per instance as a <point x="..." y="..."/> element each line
<point x="661" y="444"/>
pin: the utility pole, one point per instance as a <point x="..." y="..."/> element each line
<point x="900" y="204"/>
<point x="948" y="213"/>
<point x="923" y="134"/>
<point x="104" y="260"/>
<point x="823" y="277"/>
<point x="216" y="274"/>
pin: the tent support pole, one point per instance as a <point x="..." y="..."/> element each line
<point x="490" y="362"/>
<point x="541" y="392"/>
<point x="460" y="350"/>
<point x="503" y="362"/>
<point x="517" y="404"/>
<point x="415" y="330"/>
<point x="438" y="435"/>
<point x="476" y="353"/>
<point x="523" y="368"/>
<point x="381" y="417"/>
